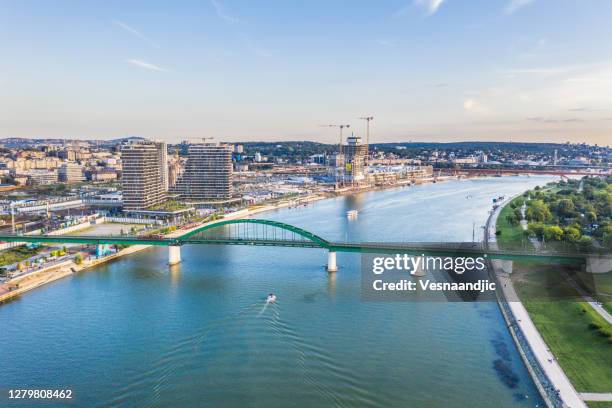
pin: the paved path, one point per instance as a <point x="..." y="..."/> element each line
<point x="547" y="361"/>
<point x="596" y="396"/>
<point x="525" y="225"/>
<point x="594" y="303"/>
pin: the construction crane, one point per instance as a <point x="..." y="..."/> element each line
<point x="339" y="127"/>
<point x="367" y="119"/>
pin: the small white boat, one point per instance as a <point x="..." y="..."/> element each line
<point x="271" y="298"/>
<point x="352" y="214"/>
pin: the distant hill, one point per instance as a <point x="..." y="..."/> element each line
<point x="21" y="141"/>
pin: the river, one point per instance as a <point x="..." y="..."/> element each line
<point x="137" y="333"/>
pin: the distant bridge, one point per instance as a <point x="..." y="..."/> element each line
<point x="256" y="232"/>
<point x="552" y="171"/>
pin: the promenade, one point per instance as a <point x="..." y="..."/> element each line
<point x="553" y="371"/>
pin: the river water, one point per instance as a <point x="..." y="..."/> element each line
<point x="137" y="333"/>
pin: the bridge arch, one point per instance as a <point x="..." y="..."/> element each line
<point x="323" y="243"/>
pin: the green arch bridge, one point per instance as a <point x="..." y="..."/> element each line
<point x="259" y="232"/>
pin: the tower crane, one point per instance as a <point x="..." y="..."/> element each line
<point x="367" y="119"/>
<point x="339" y="127"/>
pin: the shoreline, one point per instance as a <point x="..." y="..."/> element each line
<point x="53" y="273"/>
<point x="43" y="277"/>
<point x="527" y="338"/>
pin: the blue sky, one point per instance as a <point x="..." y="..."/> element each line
<point x="441" y="70"/>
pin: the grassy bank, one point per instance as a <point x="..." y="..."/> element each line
<point x="16" y="254"/>
<point x="569" y="328"/>
<point x="511" y="236"/>
<point x="599" y="404"/>
<point x="598" y="283"/>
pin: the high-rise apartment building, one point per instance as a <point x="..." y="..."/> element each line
<point x="208" y="173"/>
<point x="163" y="157"/>
<point x="142" y="180"/>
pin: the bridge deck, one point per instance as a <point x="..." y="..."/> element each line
<point x="414" y="248"/>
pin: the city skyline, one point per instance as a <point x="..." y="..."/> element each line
<point x="435" y="70"/>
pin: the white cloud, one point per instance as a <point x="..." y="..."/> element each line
<point x="134" y="32"/>
<point x="516" y="4"/>
<point x="473" y="106"/>
<point x="145" y="65"/>
<point x="219" y="9"/>
<point x="431" y="5"/>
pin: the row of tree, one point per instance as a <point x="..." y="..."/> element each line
<point x="573" y="211"/>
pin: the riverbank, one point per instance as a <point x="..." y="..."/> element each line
<point x="543" y="367"/>
<point x="566" y="346"/>
<point x="44" y="276"/>
<point x="18" y="286"/>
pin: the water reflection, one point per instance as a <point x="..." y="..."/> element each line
<point x="331" y="284"/>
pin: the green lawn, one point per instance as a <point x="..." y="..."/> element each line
<point x="600" y="284"/>
<point x="169" y="205"/>
<point x="510" y="236"/>
<point x="599" y="404"/>
<point x="16" y="254"/>
<point x="584" y="354"/>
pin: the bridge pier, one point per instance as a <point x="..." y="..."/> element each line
<point x="174" y="254"/>
<point x="331" y="262"/>
<point x="599" y="264"/>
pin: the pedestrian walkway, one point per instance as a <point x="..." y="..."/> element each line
<point x="594" y="303"/>
<point x="596" y="396"/>
<point x="545" y="358"/>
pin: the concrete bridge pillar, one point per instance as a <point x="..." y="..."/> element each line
<point x="599" y="264"/>
<point x="331" y="262"/>
<point x="174" y="254"/>
<point x="419" y="271"/>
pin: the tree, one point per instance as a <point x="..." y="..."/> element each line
<point x="607" y="238"/>
<point x="538" y="211"/>
<point x="571" y="234"/>
<point x="553" y="233"/>
<point x="566" y="208"/>
<point x="512" y="219"/>
<point x="591" y="216"/>
<point x="536" y="229"/>
<point x="585" y="242"/>
<point x="78" y="259"/>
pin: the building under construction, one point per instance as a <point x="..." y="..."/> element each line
<point x="348" y="166"/>
<point x="355" y="161"/>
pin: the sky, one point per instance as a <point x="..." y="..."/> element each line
<point x="246" y="70"/>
